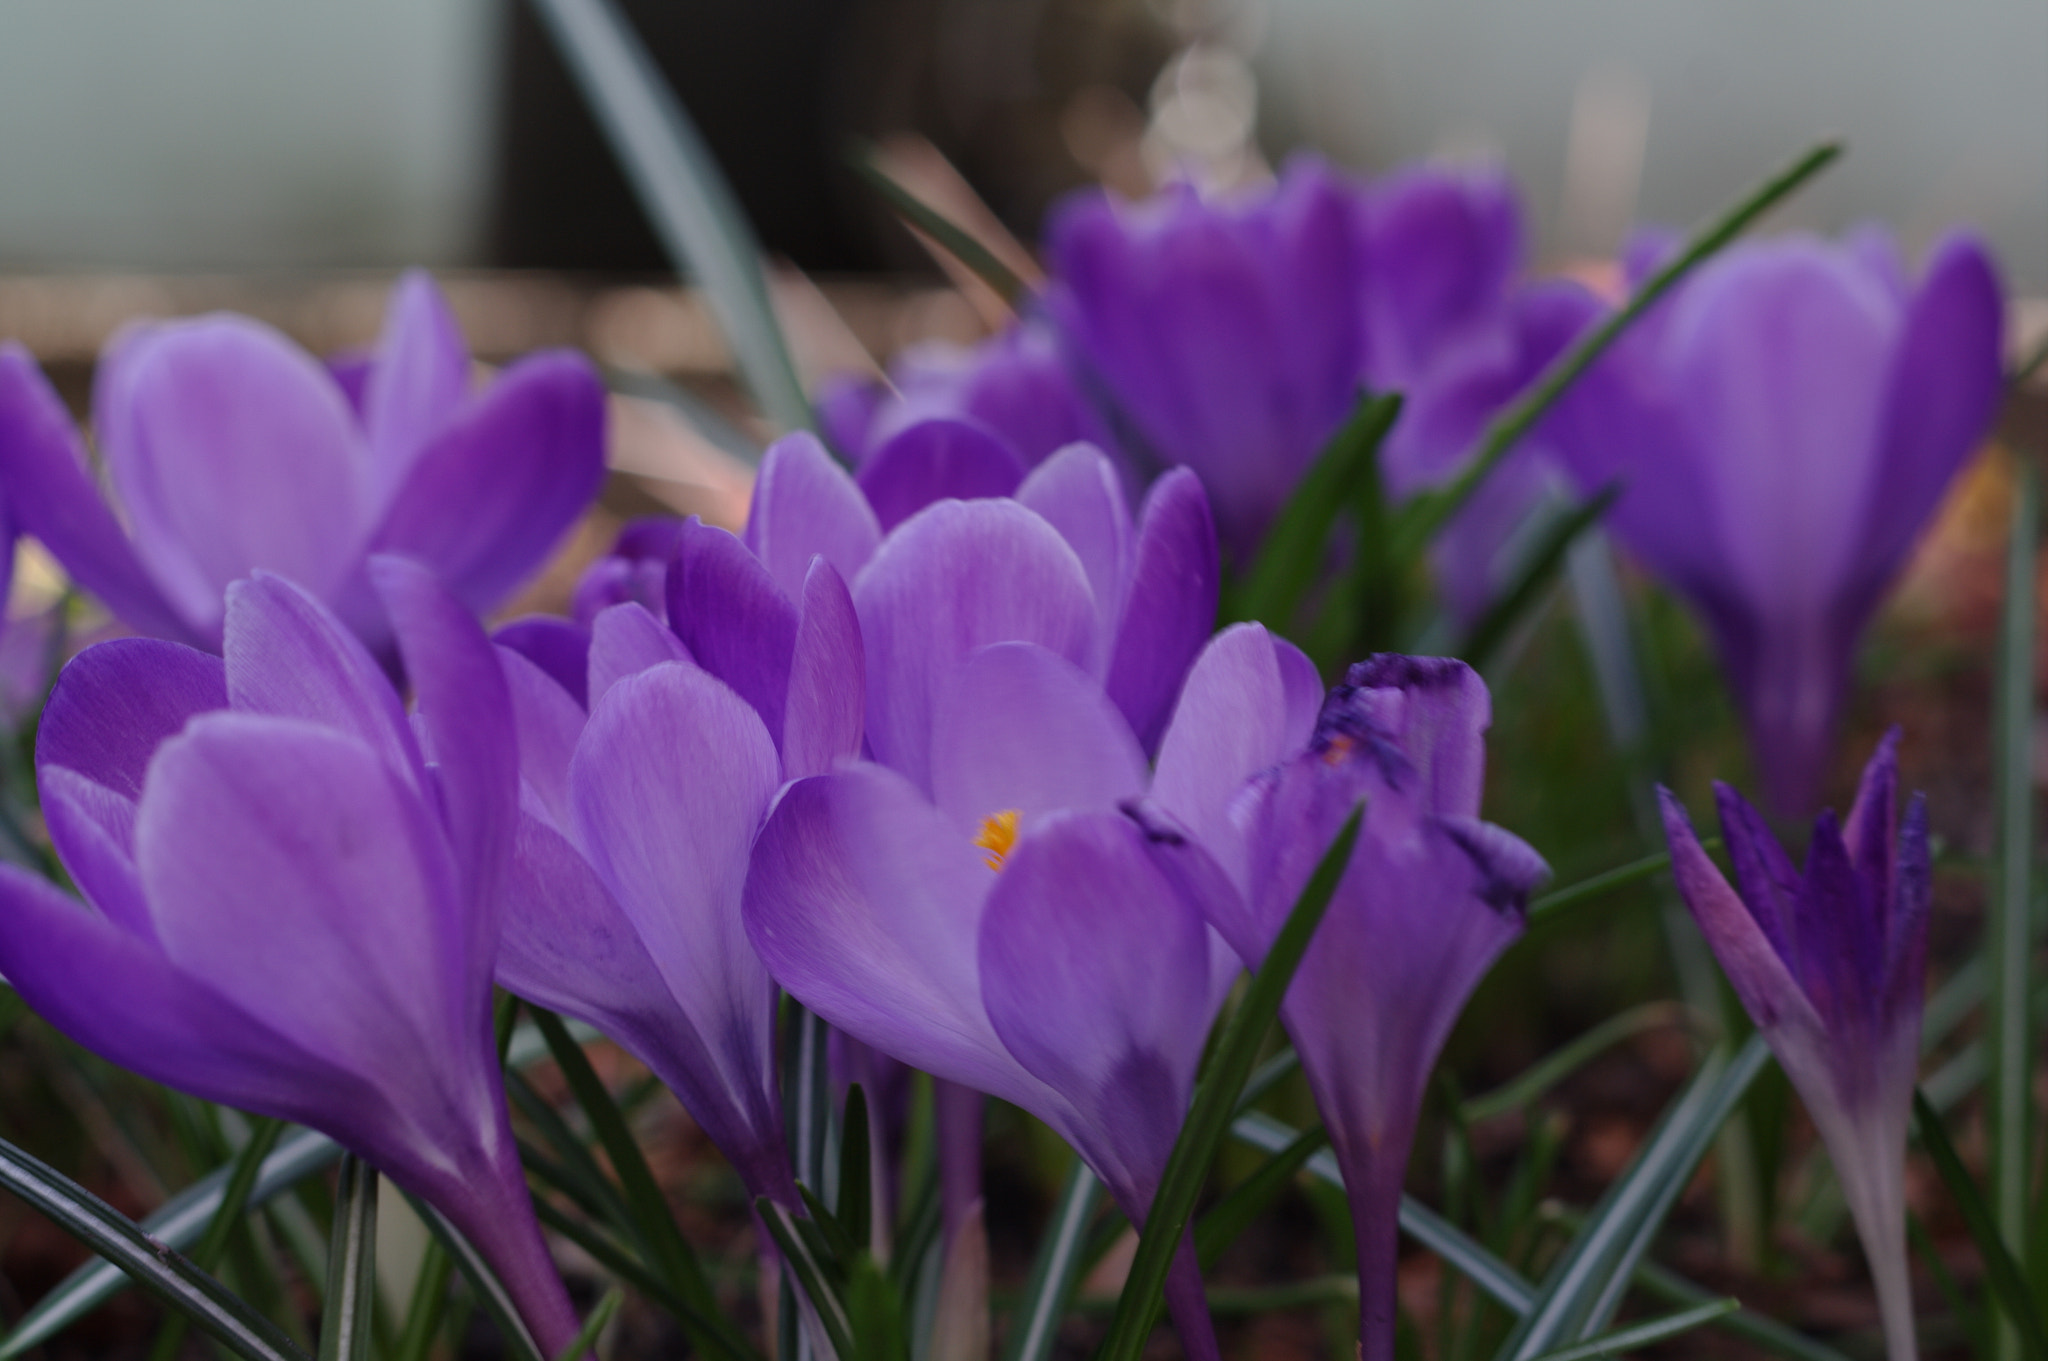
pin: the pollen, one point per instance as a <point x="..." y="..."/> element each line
<point x="1341" y="746"/>
<point x="998" y="833"/>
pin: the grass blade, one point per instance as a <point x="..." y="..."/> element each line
<point x="1560" y="1064"/>
<point x="1216" y="1095"/>
<point x="686" y="198"/>
<point x="586" y="1336"/>
<point x="351" y="1299"/>
<point x="227" y="1215"/>
<point x="1539" y="570"/>
<point x="1643" y="1334"/>
<point x="949" y="235"/>
<point x="1232" y="1215"/>
<point x="165" y="1274"/>
<point x="810" y="1275"/>
<point x="1057" y="1268"/>
<point x="2001" y="1270"/>
<point x="1621" y="876"/>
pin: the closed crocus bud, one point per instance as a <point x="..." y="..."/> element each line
<point x="1782" y="428"/>
<point x="288" y="907"/>
<point x="1830" y="964"/>
<point x="229" y="450"/>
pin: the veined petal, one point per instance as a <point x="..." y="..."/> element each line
<point x="624" y="641"/>
<point x="936" y="460"/>
<point x="560" y="647"/>
<point x="1170" y="609"/>
<point x="734" y="619"/>
<point x="548" y="723"/>
<point x="486" y="501"/>
<point x="1078" y="492"/>
<point x="805" y="505"/>
<point x="93" y="829"/>
<point x="416" y="382"/>
<point x="51" y="496"/>
<point x="823" y="720"/>
<point x="117" y="701"/>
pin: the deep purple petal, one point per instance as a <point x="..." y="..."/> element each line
<point x="117" y="701"/>
<point x="416" y="382"/>
<point x="1442" y="247"/>
<point x="1435" y="709"/>
<point x="487" y="500"/>
<point x="51" y="496"/>
<point x="232" y="450"/>
<point x="936" y="460"/>
<point x="734" y="619"/>
<point x="960" y="576"/>
<point x="1170" y="609"/>
<point x="624" y="641"/>
<point x="805" y="505"/>
<point x="1025" y="732"/>
<point x="560" y="647"/>
<point x="1765" y="878"/>
<point x="824" y="717"/>
<point x="548" y="723"/>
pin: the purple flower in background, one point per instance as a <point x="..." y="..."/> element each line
<point x="636" y="569"/>
<point x="1229" y="333"/>
<point x="230" y="450"/>
<point x="1782" y="427"/>
<point x="1830" y="964"/>
<point x="1432" y="896"/>
<point x="289" y="909"/>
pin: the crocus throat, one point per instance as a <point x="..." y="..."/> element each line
<point x="998" y="833"/>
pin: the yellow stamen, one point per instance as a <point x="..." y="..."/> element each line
<point x="998" y="834"/>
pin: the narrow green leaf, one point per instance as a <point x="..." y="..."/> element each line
<point x="1216" y="1095"/>
<point x="1056" y="1270"/>
<point x="951" y="237"/>
<point x="802" y="1263"/>
<point x="610" y="1254"/>
<point x="1643" y="1334"/>
<point x="1266" y="1077"/>
<point x="807" y="1098"/>
<point x="1539" y="571"/>
<point x="683" y="192"/>
<point x="483" y="1282"/>
<point x="429" y="1303"/>
<point x="876" y="1314"/>
<point x="828" y="1239"/>
<point x="1562" y="1062"/>
<point x="154" y="1266"/>
<point x="1296" y="548"/>
<point x="351" y="1298"/>
<point x="1232" y="1215"/>
<point x="586" y="1336"/>
<point x="1428" y="512"/>
<point x="227" y="1217"/>
<point x="1621" y="876"/>
<point x="855" y="1201"/>
<point x="2008" y="1283"/>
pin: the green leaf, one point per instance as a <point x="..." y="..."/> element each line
<point x="429" y="1302"/>
<point x="802" y="1263"/>
<point x="2008" y="1283"/>
<point x="1296" y="549"/>
<point x="1428" y="512"/>
<point x="347" y="1308"/>
<point x="586" y="1336"/>
<point x="155" y="1267"/>
<point x="234" y="1203"/>
<point x="1266" y="1077"/>
<point x="1056" y="1269"/>
<point x="683" y="192"/>
<point x="489" y="1290"/>
<point x="1232" y="1215"/>
<point x="1635" y="871"/>
<point x="1584" y="1287"/>
<point x="1561" y="1063"/>
<point x="1539" y="570"/>
<point x="875" y="1314"/>
<point x="954" y="239"/>
<point x="1643" y="1334"/>
<point x="1216" y="1095"/>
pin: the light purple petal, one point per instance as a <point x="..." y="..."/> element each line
<point x="823" y="720"/>
<point x="1170" y="610"/>
<point x="624" y="641"/>
<point x="1435" y="709"/>
<point x="960" y="576"/>
<point x="734" y="619"/>
<point x="936" y="460"/>
<point x="117" y="701"/>
<point x="1025" y="731"/>
<point x="560" y="647"/>
<point x="233" y="451"/>
<point x="51" y="496"/>
<point x="1077" y="492"/>
<point x="548" y="723"/>
<point x="805" y="505"/>
<point x="416" y="383"/>
<point x="487" y="501"/>
<point x="93" y="829"/>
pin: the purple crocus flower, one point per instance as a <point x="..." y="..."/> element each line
<point x="1782" y="427"/>
<point x="1228" y="333"/>
<point x="288" y="907"/>
<point x="1830" y="964"/>
<point x="1432" y="896"/>
<point x="231" y="451"/>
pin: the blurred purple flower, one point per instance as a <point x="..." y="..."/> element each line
<point x="636" y="569"/>
<point x="1782" y="427"/>
<point x="289" y="909"/>
<point x="1831" y="964"/>
<point x="1433" y="895"/>
<point x="231" y="451"/>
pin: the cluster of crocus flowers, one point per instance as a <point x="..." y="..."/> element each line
<point x="1830" y="964"/>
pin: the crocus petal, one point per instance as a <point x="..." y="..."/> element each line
<point x="117" y="701"/>
<point x="548" y="723"/>
<point x="734" y="619"/>
<point x="93" y="829"/>
<point x="560" y="647"/>
<point x="1436" y="709"/>
<point x="416" y="383"/>
<point x="1095" y="974"/>
<point x="282" y="870"/>
<point x="624" y="641"/>
<point x="486" y="501"/>
<point x="1170" y="610"/>
<point x="1025" y="731"/>
<point x="932" y="461"/>
<point x="805" y="505"/>
<point x="289" y="657"/>
<point x="1077" y="492"/>
<point x="1442" y="247"/>
<point x="822" y="722"/>
<point x="866" y="906"/>
<point x="232" y="450"/>
<point x="51" y="495"/>
<point x="954" y="579"/>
